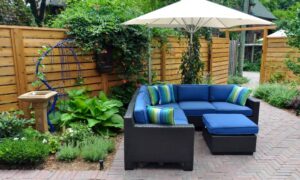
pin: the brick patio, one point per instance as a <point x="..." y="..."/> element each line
<point x="277" y="157"/>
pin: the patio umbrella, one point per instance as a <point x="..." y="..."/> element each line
<point x="191" y="15"/>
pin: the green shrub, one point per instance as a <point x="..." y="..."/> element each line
<point x="15" y="12"/>
<point x="68" y="153"/>
<point x="96" y="25"/>
<point x="22" y="152"/>
<point x="249" y="66"/>
<point x="96" y="148"/>
<point x="281" y="97"/>
<point x="76" y="134"/>
<point x="263" y="91"/>
<point x="278" y="95"/>
<point x="237" y="80"/>
<point x="51" y="140"/>
<point x="11" y="124"/>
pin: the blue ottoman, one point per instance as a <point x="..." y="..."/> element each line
<point x="229" y="133"/>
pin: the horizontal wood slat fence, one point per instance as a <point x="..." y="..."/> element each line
<point x="19" y="52"/>
<point x="277" y="52"/>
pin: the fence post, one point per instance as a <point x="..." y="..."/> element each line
<point x="19" y="66"/>
<point x="264" y="56"/>
<point x="163" y="62"/>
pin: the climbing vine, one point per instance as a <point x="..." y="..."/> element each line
<point x="191" y="64"/>
<point x="97" y="26"/>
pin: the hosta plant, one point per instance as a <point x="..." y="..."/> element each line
<point x="99" y="113"/>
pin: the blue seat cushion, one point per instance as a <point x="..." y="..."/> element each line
<point x="140" y="108"/>
<point x="229" y="124"/>
<point x="197" y="108"/>
<point x="219" y="92"/>
<point x="179" y="117"/>
<point x="171" y="105"/>
<point x="192" y="92"/>
<point x="229" y="108"/>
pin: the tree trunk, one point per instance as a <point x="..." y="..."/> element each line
<point x="38" y="13"/>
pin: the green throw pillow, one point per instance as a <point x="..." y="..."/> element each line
<point x="239" y="95"/>
<point x="166" y="94"/>
<point x="161" y="115"/>
<point x="154" y="96"/>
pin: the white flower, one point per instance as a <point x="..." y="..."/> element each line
<point x="70" y="130"/>
<point x="23" y="138"/>
<point x="44" y="141"/>
<point x="15" y="139"/>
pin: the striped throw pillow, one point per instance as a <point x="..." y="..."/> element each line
<point x="166" y="94"/>
<point x="158" y="115"/>
<point x="239" y="95"/>
<point x="153" y="93"/>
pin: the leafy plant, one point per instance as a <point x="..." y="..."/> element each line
<point x="11" y="124"/>
<point x="237" y="80"/>
<point x="276" y="78"/>
<point x="22" y="152"/>
<point x="96" y="148"/>
<point x="191" y="65"/>
<point x="295" y="104"/>
<point x="15" y="12"/>
<point x="76" y="134"/>
<point x="124" y="93"/>
<point x="293" y="32"/>
<point x="68" y="152"/>
<point x="278" y="95"/>
<point x="98" y="112"/>
<point x="249" y="66"/>
<point x="96" y="25"/>
<point x="52" y="141"/>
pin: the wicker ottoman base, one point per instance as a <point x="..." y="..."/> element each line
<point x="230" y="144"/>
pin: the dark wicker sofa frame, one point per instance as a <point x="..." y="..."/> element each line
<point x="157" y="143"/>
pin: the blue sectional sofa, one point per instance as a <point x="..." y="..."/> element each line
<point x="145" y="142"/>
<point x="192" y="101"/>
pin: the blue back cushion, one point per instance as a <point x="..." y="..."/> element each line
<point x="192" y="92"/>
<point x="143" y="89"/>
<point x="220" y="92"/>
<point x="140" y="108"/>
<point x="175" y="87"/>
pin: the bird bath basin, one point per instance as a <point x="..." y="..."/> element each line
<point x="39" y="100"/>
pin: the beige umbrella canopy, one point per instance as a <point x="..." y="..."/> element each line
<point x="191" y="15"/>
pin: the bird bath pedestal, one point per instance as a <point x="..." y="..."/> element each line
<point x="39" y="100"/>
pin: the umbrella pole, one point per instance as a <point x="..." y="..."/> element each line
<point x="149" y="58"/>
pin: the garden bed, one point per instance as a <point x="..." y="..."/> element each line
<point x="52" y="163"/>
<point x="80" y="164"/>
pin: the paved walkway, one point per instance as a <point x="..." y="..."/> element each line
<point x="253" y="77"/>
<point x="277" y="157"/>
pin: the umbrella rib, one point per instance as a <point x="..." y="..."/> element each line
<point x="206" y="22"/>
<point x="221" y="22"/>
<point x="170" y="23"/>
<point x="185" y="25"/>
<point x="154" y="21"/>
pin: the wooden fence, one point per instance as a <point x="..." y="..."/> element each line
<point x="277" y="52"/>
<point x="19" y="48"/>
